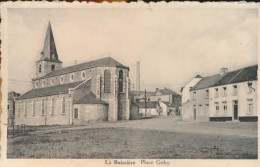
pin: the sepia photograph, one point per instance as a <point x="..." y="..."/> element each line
<point x="130" y="83"/>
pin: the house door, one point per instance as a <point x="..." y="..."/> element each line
<point x="235" y="110"/>
<point x="194" y="113"/>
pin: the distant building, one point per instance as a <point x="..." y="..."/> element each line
<point x="210" y="98"/>
<point x="151" y="108"/>
<point x="92" y="91"/>
<point x="11" y="106"/>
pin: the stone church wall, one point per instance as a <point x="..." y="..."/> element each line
<point x="90" y="113"/>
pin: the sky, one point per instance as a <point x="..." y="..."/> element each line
<point x="172" y="44"/>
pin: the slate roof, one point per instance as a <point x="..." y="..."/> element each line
<point x="167" y="103"/>
<point x="48" y="91"/>
<point x="241" y="75"/>
<point x="104" y="62"/>
<point x="90" y="98"/>
<point x="206" y="82"/>
<point x="49" y="52"/>
<point x="149" y="104"/>
<point x="166" y="91"/>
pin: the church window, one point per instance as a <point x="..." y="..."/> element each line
<point x="107" y="81"/>
<point x="72" y="77"/>
<point x="61" y="79"/>
<point x="83" y="74"/>
<point x="25" y="108"/>
<point x="120" y="80"/>
<point x="52" y="81"/>
<point x="52" y="67"/>
<point x="63" y="105"/>
<point x="33" y="108"/>
<point x="52" y="105"/>
<point x="76" y="113"/>
<point x="43" y="106"/>
<point x="40" y="68"/>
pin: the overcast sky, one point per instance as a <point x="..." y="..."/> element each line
<point x="171" y="44"/>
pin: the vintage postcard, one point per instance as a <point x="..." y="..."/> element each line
<point x="117" y="84"/>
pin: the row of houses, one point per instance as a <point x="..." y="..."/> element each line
<point x="161" y="102"/>
<point x="227" y="96"/>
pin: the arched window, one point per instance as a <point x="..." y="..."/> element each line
<point x="63" y="105"/>
<point x="107" y="81"/>
<point x="83" y="74"/>
<point x="43" y="106"/>
<point x="72" y="77"/>
<point x="52" y="67"/>
<point x="40" y="68"/>
<point x="25" y="108"/>
<point x="33" y="108"/>
<point x="52" y="105"/>
<point x="120" y="81"/>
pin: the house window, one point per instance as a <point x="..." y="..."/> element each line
<point x="224" y="107"/>
<point x="61" y="79"/>
<point x="63" y="105"/>
<point x="40" y="68"/>
<point x="250" y="88"/>
<point x="194" y="95"/>
<point x="83" y="74"/>
<point x="72" y="77"/>
<point x="120" y="80"/>
<point x="107" y="81"/>
<point x="216" y="108"/>
<point x="235" y="90"/>
<point x="52" y="105"/>
<point x="52" y="67"/>
<point x="224" y="91"/>
<point x="207" y="93"/>
<point x="216" y="92"/>
<point x="250" y="106"/>
<point x="33" y="108"/>
<point x="76" y="113"/>
<point x="200" y="110"/>
<point x="43" y="106"/>
<point x="207" y="109"/>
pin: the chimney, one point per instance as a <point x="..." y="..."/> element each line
<point x="137" y="76"/>
<point x="223" y="71"/>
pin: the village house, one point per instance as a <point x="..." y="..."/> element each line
<point x="234" y="96"/>
<point x="150" y="108"/>
<point x="11" y="106"/>
<point x="92" y="91"/>
<point x="212" y="98"/>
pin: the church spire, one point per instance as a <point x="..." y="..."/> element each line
<point x="49" y="52"/>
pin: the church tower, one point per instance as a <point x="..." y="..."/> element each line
<point x="49" y="60"/>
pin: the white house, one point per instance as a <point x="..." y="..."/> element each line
<point x="234" y="97"/>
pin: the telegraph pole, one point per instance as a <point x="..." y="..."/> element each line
<point x="145" y="102"/>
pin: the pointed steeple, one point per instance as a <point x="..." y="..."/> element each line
<point x="49" y="52"/>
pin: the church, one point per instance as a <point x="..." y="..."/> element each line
<point x="89" y="92"/>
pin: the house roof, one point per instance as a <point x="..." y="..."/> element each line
<point x="12" y="94"/>
<point x="206" y="82"/>
<point x="90" y="98"/>
<point x="168" y="104"/>
<point x="240" y="75"/>
<point x="149" y="104"/>
<point x="48" y="91"/>
<point x="167" y="91"/>
<point x="104" y="62"/>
